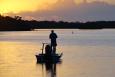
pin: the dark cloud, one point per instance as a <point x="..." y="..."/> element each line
<point x="67" y="10"/>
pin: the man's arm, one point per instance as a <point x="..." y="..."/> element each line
<point x="50" y="36"/>
<point x="56" y="35"/>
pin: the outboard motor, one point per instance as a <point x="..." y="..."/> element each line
<point x="48" y="50"/>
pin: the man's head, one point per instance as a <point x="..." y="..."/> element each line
<point x="52" y="31"/>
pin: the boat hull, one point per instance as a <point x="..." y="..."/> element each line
<point x="43" y="58"/>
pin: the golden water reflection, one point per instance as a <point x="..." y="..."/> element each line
<point x="49" y="69"/>
<point x="17" y="59"/>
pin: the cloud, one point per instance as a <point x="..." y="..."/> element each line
<point x="67" y="10"/>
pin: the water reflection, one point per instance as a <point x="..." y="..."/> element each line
<point x="86" y="54"/>
<point x="49" y="69"/>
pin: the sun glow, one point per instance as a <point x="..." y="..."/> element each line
<point x="79" y="1"/>
<point x="17" y="6"/>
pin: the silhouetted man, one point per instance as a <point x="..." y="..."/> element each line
<point x="53" y="37"/>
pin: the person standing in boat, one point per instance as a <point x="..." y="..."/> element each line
<point x="53" y="36"/>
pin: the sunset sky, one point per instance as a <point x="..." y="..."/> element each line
<point x="68" y="10"/>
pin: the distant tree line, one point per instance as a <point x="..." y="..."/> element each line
<point x="16" y="23"/>
<point x="13" y="23"/>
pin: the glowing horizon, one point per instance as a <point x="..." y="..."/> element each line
<point x="14" y="6"/>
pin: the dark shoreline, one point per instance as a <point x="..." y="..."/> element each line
<point x="16" y="23"/>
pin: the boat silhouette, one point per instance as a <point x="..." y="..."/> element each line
<point x="48" y="57"/>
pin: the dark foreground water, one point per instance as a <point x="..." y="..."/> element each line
<point x="87" y="53"/>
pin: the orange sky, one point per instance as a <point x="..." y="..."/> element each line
<point x="17" y="6"/>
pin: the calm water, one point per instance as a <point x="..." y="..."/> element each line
<point x="87" y="53"/>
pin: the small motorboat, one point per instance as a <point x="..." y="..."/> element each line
<point x="43" y="58"/>
<point x="48" y="57"/>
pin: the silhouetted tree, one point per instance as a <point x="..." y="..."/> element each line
<point x="17" y="17"/>
<point x="16" y="23"/>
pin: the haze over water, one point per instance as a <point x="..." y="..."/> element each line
<point x="86" y="53"/>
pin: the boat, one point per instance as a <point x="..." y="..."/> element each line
<point x="43" y="58"/>
<point x="48" y="58"/>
